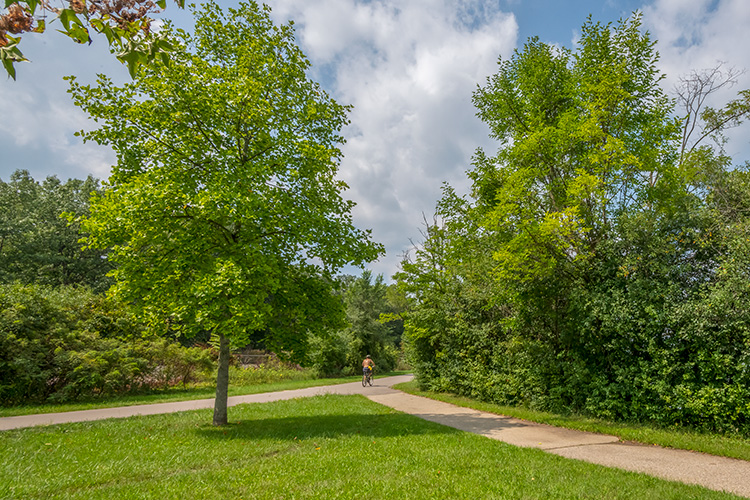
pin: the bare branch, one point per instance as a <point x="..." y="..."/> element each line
<point x="692" y="93"/>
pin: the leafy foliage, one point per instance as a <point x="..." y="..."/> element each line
<point x="601" y="264"/>
<point x="366" y="300"/>
<point x="125" y="23"/>
<point x="64" y="344"/>
<point x="271" y="372"/>
<point x="373" y="327"/>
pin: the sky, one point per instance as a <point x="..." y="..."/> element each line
<point x="408" y="67"/>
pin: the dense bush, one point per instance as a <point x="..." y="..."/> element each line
<point x="641" y="345"/>
<point x="171" y="364"/>
<point x="329" y="355"/>
<point x="62" y="344"/>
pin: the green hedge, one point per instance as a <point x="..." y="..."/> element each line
<point x="64" y="344"/>
<point x="636" y="348"/>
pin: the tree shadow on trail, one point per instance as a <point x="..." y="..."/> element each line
<point x="325" y="426"/>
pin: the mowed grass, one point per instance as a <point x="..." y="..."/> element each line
<point x="714" y="444"/>
<point x="324" y="447"/>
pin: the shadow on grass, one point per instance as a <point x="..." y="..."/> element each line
<point x="325" y="426"/>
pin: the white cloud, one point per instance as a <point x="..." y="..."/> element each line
<point x="34" y="122"/>
<point x="696" y="34"/>
<point x="409" y="69"/>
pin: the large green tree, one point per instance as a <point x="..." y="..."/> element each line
<point x="223" y="211"/>
<point x="583" y="137"/>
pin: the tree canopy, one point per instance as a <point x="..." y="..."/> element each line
<point x="373" y="326"/>
<point x="224" y="200"/>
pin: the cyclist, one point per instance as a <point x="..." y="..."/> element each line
<point x="367" y="365"/>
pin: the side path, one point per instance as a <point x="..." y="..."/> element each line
<point x="717" y="473"/>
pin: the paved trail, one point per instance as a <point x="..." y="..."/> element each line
<point x="717" y="473"/>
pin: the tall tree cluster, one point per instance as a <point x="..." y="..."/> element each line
<point x="600" y="264"/>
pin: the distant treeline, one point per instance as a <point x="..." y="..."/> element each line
<point x="38" y="244"/>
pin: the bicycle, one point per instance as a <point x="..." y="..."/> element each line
<point x="367" y="377"/>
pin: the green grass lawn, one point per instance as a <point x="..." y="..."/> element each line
<point x="322" y="447"/>
<point x="726" y="446"/>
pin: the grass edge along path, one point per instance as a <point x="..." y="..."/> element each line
<point x="330" y="446"/>
<point x="178" y="394"/>
<point x="713" y="444"/>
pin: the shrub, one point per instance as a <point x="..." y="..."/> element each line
<point x="171" y="364"/>
<point x="329" y="355"/>
<point x="63" y="344"/>
<point x="105" y="368"/>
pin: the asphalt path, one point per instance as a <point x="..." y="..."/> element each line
<point x="716" y="473"/>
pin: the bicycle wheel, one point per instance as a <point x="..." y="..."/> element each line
<point x="369" y="379"/>
<point x="364" y="380"/>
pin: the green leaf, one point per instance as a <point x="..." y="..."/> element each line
<point x="10" y="54"/>
<point x="102" y="27"/>
<point x="78" y="34"/>
<point x="74" y="27"/>
<point x="68" y="17"/>
<point x="133" y="59"/>
<point x="41" y="25"/>
<point x="164" y="45"/>
<point x="8" y="65"/>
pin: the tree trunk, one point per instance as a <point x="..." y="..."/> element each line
<point x="222" y="382"/>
